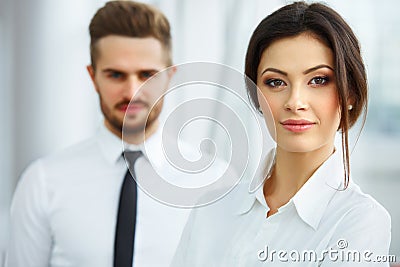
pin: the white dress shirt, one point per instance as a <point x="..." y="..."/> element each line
<point x="65" y="207"/>
<point x="236" y="231"/>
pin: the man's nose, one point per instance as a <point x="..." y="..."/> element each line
<point x="132" y="87"/>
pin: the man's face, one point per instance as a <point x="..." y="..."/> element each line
<point x="123" y="65"/>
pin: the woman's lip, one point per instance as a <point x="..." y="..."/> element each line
<point x="297" y="126"/>
<point x="296" y="122"/>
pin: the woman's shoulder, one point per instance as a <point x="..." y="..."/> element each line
<point x="359" y="221"/>
<point x="358" y="200"/>
<point x="355" y="209"/>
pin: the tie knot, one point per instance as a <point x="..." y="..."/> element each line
<point x="131" y="156"/>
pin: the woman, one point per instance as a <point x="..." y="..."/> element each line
<point x="306" y="63"/>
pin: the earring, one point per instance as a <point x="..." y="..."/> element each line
<point x="350" y="107"/>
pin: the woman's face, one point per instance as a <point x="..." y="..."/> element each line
<point x="296" y="78"/>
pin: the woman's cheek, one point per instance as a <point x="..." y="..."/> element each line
<point x="268" y="113"/>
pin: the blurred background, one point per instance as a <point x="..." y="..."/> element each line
<point x="47" y="101"/>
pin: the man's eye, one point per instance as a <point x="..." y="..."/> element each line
<point x="144" y="75"/>
<point x="275" y="83"/>
<point x="319" y="80"/>
<point x="115" y="75"/>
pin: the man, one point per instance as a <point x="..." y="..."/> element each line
<point x="69" y="209"/>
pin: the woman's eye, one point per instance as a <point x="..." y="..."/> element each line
<point x="275" y="83"/>
<point x="319" y="81"/>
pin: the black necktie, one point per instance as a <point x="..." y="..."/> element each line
<point x="126" y="219"/>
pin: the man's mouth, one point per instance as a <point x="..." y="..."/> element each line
<point x="131" y="108"/>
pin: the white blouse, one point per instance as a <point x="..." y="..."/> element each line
<point x="322" y="225"/>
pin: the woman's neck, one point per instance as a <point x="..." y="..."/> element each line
<point x="292" y="170"/>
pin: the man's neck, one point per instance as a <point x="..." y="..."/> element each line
<point x="137" y="137"/>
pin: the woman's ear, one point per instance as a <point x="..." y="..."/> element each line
<point x="350" y="102"/>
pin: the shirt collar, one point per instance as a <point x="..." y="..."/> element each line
<point x="111" y="146"/>
<point x="312" y="198"/>
<point x="150" y="148"/>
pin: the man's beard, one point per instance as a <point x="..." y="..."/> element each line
<point x="118" y="124"/>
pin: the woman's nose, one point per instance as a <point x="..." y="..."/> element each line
<point x="296" y="100"/>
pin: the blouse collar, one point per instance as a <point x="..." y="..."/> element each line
<point x="313" y="197"/>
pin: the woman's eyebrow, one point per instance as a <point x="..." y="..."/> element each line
<point x="304" y="72"/>
<point x="274" y="70"/>
<point x="317" y="67"/>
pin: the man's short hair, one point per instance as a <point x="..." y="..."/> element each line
<point x="129" y="19"/>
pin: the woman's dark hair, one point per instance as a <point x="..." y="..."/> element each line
<point x="329" y="27"/>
